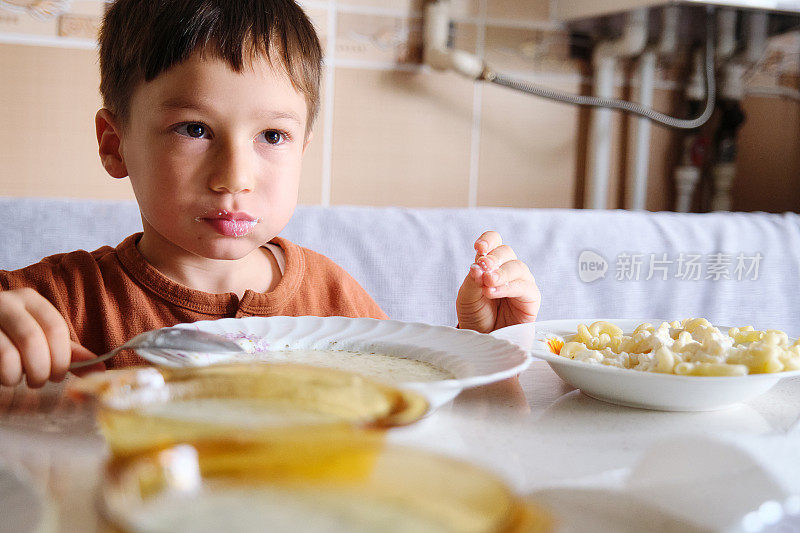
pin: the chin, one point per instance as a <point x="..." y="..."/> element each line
<point x="230" y="249"/>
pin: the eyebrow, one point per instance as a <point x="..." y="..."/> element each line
<point x="180" y="103"/>
<point x="288" y="115"/>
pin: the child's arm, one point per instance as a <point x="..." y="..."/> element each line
<point x="499" y="290"/>
<point x="34" y="340"/>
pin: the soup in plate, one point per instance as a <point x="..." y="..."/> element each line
<point x="387" y="368"/>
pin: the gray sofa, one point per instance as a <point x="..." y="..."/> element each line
<point x="732" y="268"/>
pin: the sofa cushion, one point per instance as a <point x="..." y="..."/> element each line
<point x="732" y="268"/>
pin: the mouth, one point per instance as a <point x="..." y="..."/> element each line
<point x="230" y="224"/>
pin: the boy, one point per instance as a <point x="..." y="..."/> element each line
<point x="208" y="108"/>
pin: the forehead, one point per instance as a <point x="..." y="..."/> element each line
<point x="208" y="82"/>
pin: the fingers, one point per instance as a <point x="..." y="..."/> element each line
<point x="10" y="363"/>
<point x="473" y="309"/>
<point x="520" y="299"/>
<point x="524" y="290"/>
<point x="79" y="353"/>
<point x="499" y="289"/>
<point x="29" y="341"/>
<point x="56" y="334"/>
<point x="500" y="275"/>
<point x="34" y="339"/>
<point x="495" y="258"/>
<point x="497" y="267"/>
<point x="487" y="242"/>
<point x="510" y="272"/>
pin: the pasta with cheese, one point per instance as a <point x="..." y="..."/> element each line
<point x="691" y="347"/>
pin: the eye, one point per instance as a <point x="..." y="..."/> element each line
<point x="195" y="130"/>
<point x="273" y="137"/>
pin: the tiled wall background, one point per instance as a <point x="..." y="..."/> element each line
<point x="390" y="131"/>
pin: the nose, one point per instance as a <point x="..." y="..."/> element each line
<point x="234" y="172"/>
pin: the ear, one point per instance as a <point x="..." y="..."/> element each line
<point x="308" y="141"/>
<point x="109" y="139"/>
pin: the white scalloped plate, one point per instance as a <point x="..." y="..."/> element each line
<point x="473" y="358"/>
<point x="647" y="390"/>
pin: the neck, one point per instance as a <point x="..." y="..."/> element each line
<point x="257" y="271"/>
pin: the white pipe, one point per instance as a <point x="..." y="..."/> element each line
<point x="670" y="26"/>
<point x="436" y="31"/>
<point x="723" y="174"/>
<point x="637" y="190"/>
<point x="756" y="25"/>
<point x="632" y="40"/>
<point x="732" y="86"/>
<point x="600" y="154"/>
<point x="667" y="45"/>
<point x="631" y="43"/>
<point x="735" y="67"/>
<point x="686" y="179"/>
<point x="781" y="92"/>
<point x="687" y="175"/>
<point x="726" y="34"/>
<point x="435" y="51"/>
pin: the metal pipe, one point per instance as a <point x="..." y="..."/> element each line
<point x="733" y="90"/>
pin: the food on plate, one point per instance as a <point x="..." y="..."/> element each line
<point x="281" y="404"/>
<point x="388" y="368"/>
<point x="374" y="365"/>
<point x="245" y="509"/>
<point x="692" y="347"/>
<point x="242" y="487"/>
<point x="241" y="412"/>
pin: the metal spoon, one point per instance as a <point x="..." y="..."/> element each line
<point x="174" y="347"/>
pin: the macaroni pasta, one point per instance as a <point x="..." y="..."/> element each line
<point x="692" y="347"/>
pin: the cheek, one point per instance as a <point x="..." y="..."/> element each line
<point x="281" y="176"/>
<point x="278" y="195"/>
<point x="164" y="168"/>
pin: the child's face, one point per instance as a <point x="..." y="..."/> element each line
<point x="214" y="156"/>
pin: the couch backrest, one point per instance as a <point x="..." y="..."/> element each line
<point x="733" y="268"/>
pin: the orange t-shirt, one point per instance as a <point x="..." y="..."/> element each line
<point x="111" y="294"/>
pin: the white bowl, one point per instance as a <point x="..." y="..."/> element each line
<point x="648" y="390"/>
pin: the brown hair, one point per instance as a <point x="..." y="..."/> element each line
<point x="140" y="39"/>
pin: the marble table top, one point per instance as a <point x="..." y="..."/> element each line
<point x="551" y="443"/>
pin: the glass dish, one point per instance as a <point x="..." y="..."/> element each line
<point x="363" y="487"/>
<point x="294" y="405"/>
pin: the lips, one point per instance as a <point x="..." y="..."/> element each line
<point x="230" y="224"/>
